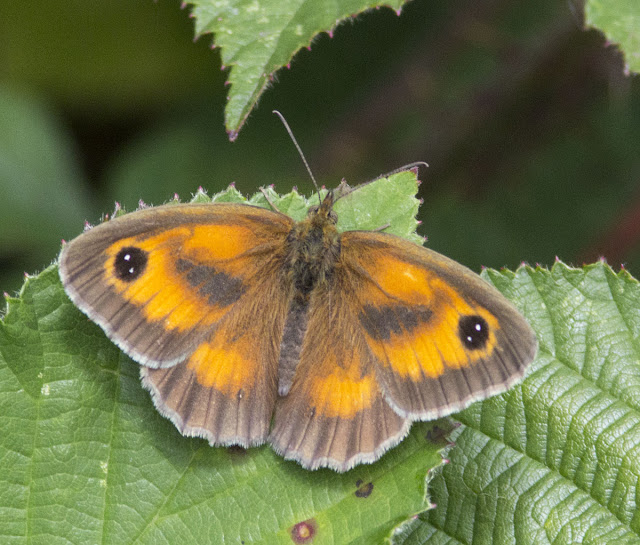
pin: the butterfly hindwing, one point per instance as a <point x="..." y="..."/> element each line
<point x="226" y="389"/>
<point x="334" y="413"/>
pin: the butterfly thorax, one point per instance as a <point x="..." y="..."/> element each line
<point x="313" y="248"/>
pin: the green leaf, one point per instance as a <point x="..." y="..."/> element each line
<point x="387" y="203"/>
<point x="258" y="37"/>
<point x="556" y="459"/>
<point x="620" y="22"/>
<point x="86" y="458"/>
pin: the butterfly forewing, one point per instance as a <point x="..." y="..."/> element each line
<point x="158" y="280"/>
<point x="442" y="337"/>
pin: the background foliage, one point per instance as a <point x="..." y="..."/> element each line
<point x="528" y="121"/>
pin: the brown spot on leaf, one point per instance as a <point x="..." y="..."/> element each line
<point x="364" y="489"/>
<point x="304" y="531"/>
<point x="438" y="433"/>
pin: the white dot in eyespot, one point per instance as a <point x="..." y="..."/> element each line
<point x="477" y="327"/>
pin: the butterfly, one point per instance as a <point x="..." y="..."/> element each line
<point x="253" y="328"/>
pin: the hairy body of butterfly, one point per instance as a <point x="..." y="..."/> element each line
<point x="251" y="327"/>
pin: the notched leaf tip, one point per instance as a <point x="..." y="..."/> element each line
<point x="117" y="211"/>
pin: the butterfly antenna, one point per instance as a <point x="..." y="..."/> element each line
<point x="295" y="143"/>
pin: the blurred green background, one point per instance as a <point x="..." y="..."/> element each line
<point x="529" y="124"/>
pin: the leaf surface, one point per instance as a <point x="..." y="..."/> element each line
<point x="556" y="460"/>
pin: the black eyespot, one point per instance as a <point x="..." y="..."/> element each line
<point x="130" y="263"/>
<point x="473" y="332"/>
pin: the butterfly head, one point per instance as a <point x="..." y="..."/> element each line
<point x="323" y="213"/>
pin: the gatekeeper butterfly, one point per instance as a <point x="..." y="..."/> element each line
<point x="251" y="327"/>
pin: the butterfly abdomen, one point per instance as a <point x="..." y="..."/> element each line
<point x="312" y="250"/>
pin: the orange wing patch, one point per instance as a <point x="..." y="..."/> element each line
<point x="187" y="280"/>
<point x="344" y="391"/>
<point x="412" y="318"/>
<point x="227" y="366"/>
